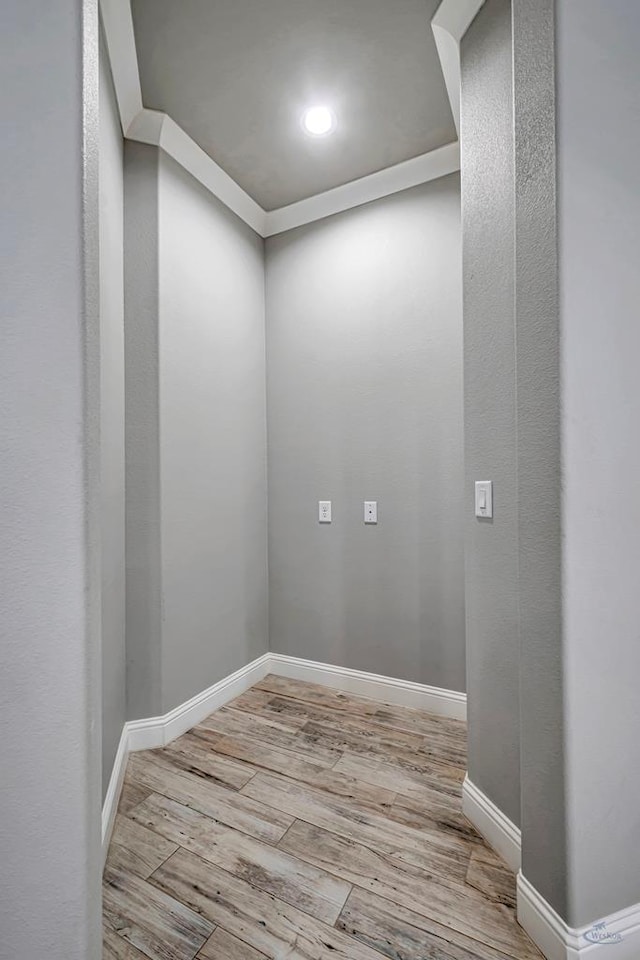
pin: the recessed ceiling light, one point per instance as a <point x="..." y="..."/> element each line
<point x="318" y="121"/>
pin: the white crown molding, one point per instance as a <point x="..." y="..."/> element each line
<point x="558" y="941"/>
<point x="499" y="832"/>
<point x="451" y="21"/>
<point x="401" y="176"/>
<point x="158" y="129"/>
<point x="152" y="732"/>
<point x="117" y="24"/>
<point x="151" y="126"/>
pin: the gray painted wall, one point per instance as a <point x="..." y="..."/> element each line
<point x="598" y="140"/>
<point x="542" y="707"/>
<point x="213" y="438"/>
<point x="491" y="546"/>
<point x="196" y="437"/>
<point x="142" y="432"/>
<point x="111" y="421"/>
<point x="364" y="361"/>
<point x="49" y="483"/>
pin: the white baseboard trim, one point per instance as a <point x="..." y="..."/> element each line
<point x="616" y="937"/>
<point x="405" y="693"/>
<point x="152" y="732"/>
<point x="492" y="823"/>
<point x="112" y="798"/>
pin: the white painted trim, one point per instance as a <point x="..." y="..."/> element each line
<point x="401" y="176"/>
<point x="558" y="941"/>
<point x="147" y="734"/>
<point x="112" y="798"/>
<point x="445" y="703"/>
<point x="499" y="832"/>
<point x="151" y="126"/>
<point x="158" y="731"/>
<point x="158" y="129"/>
<point x="451" y="21"/>
<point x="117" y="24"/>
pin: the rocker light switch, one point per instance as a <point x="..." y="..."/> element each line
<point x="484" y="498"/>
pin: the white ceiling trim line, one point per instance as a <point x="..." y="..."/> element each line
<point x="151" y="126"/>
<point x="409" y="173"/>
<point x="117" y="24"/>
<point x="449" y="24"/>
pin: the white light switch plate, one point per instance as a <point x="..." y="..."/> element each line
<point x="324" y="511"/>
<point x="484" y="498"/>
<point x="371" y="511"/>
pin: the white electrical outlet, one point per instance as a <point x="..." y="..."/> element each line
<point x="371" y="511"/>
<point x="324" y="511"/>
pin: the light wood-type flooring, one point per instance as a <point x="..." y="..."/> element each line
<point x="306" y="824"/>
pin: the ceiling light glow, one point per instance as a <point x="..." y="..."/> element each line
<point x="318" y="121"/>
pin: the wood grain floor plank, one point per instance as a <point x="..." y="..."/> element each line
<point x="425" y="810"/>
<point x="450" y="903"/>
<point x="312" y="890"/>
<point x="115" y="947"/>
<point x="135" y="849"/>
<point x="194" y="756"/>
<point x="263" y="921"/>
<point x="258" y="702"/>
<point x="402" y="718"/>
<point x="408" y="780"/>
<point x="299" y="822"/>
<point x="249" y="816"/>
<point x="401" y="934"/>
<point x="431" y="851"/>
<point x="306" y="713"/>
<point x="237" y="723"/>
<point x="326" y="737"/>
<point x="223" y="946"/>
<point x="494" y="880"/>
<point x="265" y="757"/>
<point x="376" y="724"/>
<point x="131" y="795"/>
<point x="154" y="922"/>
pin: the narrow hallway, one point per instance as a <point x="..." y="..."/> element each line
<point x="300" y="822"/>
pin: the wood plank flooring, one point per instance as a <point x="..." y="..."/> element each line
<point x="299" y="823"/>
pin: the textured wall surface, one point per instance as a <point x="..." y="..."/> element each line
<point x="491" y="546"/>
<point x="213" y="438"/>
<point x="112" y="421"/>
<point x="598" y="95"/>
<point x="49" y="484"/>
<point x="364" y="371"/>
<point x="542" y="709"/>
<point x="196" y="437"/>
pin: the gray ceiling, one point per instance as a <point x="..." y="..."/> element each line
<point x="237" y="75"/>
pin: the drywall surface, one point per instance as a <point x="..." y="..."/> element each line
<point x="142" y="432"/>
<point x="49" y="484"/>
<point x="542" y="712"/>
<point x="491" y="546"/>
<point x="598" y="142"/>
<point x="364" y="373"/>
<point x="112" y="421"/>
<point x="213" y="438"/>
<point x="197" y="604"/>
